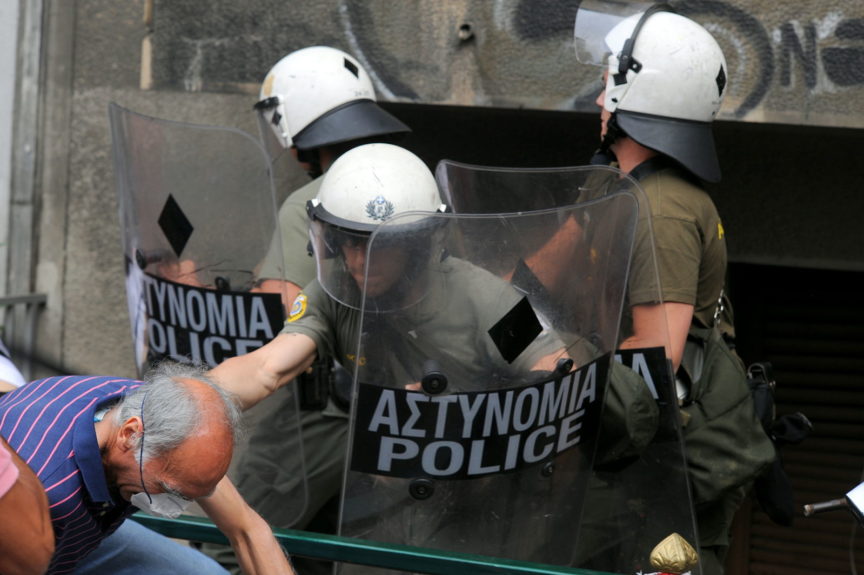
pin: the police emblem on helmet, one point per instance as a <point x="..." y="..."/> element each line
<point x="379" y="209"/>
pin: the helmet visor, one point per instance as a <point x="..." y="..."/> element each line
<point x="594" y="20"/>
<point x="335" y="250"/>
<point x="389" y="264"/>
<point x="269" y="128"/>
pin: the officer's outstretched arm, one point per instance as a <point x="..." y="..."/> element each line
<point x="256" y="375"/>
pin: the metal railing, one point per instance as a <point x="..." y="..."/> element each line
<point x="25" y="309"/>
<point x="362" y="552"/>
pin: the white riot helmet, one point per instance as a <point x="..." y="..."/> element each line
<point x="321" y="96"/>
<point x="366" y="187"/>
<point x="666" y="82"/>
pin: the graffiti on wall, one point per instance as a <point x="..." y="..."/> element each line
<point x="800" y="61"/>
<point x="821" y="54"/>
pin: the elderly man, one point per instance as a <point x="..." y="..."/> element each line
<point x="104" y="447"/>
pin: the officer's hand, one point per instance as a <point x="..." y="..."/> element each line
<point x="183" y="272"/>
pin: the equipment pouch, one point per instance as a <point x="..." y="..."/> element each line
<point x="314" y="385"/>
<point x="772" y="488"/>
<point x="725" y="444"/>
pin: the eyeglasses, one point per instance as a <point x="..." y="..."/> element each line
<point x="169" y="491"/>
<point x="141" y="452"/>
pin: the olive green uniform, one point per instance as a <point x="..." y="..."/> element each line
<point x="449" y="325"/>
<point x="690" y="250"/>
<point x="266" y="474"/>
<point x="689" y="244"/>
<point x="291" y="261"/>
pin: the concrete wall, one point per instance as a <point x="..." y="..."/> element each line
<point x="507" y="91"/>
<point x="793" y="62"/>
<point x="95" y="59"/>
<point x="8" y="42"/>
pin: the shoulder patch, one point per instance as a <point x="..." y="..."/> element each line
<point x="298" y="308"/>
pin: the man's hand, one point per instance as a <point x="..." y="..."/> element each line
<point x="182" y="272"/>
<point x="252" y="539"/>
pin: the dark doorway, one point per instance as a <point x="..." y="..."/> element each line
<point x="809" y="323"/>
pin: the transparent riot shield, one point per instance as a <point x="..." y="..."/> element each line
<point x="283" y="167"/>
<point x="198" y="214"/>
<point x="637" y="500"/>
<point x="481" y="399"/>
<point x="594" y="20"/>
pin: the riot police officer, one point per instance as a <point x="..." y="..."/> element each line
<point x="454" y="302"/>
<point x="319" y="102"/>
<point x="410" y="270"/>
<point x="316" y="103"/>
<point x="665" y="78"/>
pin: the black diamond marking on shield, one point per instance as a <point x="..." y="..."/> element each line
<point x="175" y="225"/>
<point x="721" y="81"/>
<point x="277" y="117"/>
<point x="516" y="330"/>
<point x="352" y="67"/>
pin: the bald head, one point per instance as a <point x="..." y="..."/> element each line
<point x="180" y="403"/>
<point x="175" y="433"/>
<point x="199" y="462"/>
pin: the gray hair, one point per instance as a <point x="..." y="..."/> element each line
<point x="170" y="411"/>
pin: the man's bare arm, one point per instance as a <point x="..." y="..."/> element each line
<point x="664" y="325"/>
<point x="252" y="539"/>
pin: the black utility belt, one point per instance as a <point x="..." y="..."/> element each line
<point x="324" y="380"/>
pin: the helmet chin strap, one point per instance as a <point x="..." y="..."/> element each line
<point x="313" y="158"/>
<point x="604" y="154"/>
